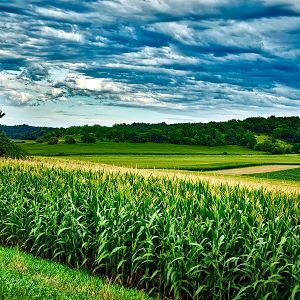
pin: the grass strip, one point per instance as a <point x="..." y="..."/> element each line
<point x="22" y="277"/>
<point x="290" y="175"/>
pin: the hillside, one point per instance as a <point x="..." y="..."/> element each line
<point x="280" y="134"/>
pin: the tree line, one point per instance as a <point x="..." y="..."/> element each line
<point x="7" y="147"/>
<point x="283" y="133"/>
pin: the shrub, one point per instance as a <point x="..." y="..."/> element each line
<point x="10" y="149"/>
<point x="53" y="140"/>
<point x="88" y="138"/>
<point x="40" y="140"/>
<point x="295" y="148"/>
<point x="138" y="139"/>
<point x="69" y="139"/>
<point x="277" y="150"/>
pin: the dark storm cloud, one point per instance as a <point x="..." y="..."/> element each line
<point x="181" y="55"/>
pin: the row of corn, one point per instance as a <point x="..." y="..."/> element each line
<point x="172" y="237"/>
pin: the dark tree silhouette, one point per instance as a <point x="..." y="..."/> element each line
<point x="1" y="114"/>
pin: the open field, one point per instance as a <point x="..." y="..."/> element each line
<point x="23" y="277"/>
<point x="175" y="237"/>
<point x="259" y="169"/>
<point x="128" y="148"/>
<point x="161" y="156"/>
<point x="290" y="175"/>
<point x="189" y="162"/>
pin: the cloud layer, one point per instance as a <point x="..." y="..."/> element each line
<point x="179" y="56"/>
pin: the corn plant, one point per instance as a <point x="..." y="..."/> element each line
<point x="171" y="237"/>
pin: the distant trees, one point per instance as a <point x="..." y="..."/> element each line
<point x="40" y="140"/>
<point x="53" y="140"/>
<point x="7" y="147"/>
<point x="69" y="139"/>
<point x="49" y="135"/>
<point x="88" y="138"/>
<point x="232" y="132"/>
<point x="274" y="146"/>
<point x="137" y="138"/>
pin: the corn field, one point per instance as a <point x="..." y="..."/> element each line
<point x="171" y="237"/>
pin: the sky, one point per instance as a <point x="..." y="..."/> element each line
<point x="71" y="62"/>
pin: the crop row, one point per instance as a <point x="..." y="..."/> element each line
<point x="172" y="237"/>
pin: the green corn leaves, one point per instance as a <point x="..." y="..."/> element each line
<point x="174" y="238"/>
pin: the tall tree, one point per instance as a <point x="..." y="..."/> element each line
<point x="1" y="114"/>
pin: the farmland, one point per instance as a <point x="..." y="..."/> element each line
<point x="291" y="175"/>
<point x="170" y="236"/>
<point x="188" y="162"/>
<point x="161" y="156"/>
<point x="128" y="148"/>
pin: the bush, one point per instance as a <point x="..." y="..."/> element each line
<point x="40" y="140"/>
<point x="138" y="139"/>
<point x="259" y="147"/>
<point x="53" y="140"/>
<point x="287" y="149"/>
<point x="10" y="149"/>
<point x="296" y="148"/>
<point x="277" y="150"/>
<point x="88" y="138"/>
<point x="69" y="139"/>
<point x="116" y="141"/>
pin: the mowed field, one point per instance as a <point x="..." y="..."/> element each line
<point x="127" y="148"/>
<point x="189" y="162"/>
<point x="161" y="156"/>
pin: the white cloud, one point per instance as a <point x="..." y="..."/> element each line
<point x="55" y="92"/>
<point x="19" y="99"/>
<point x="61" y="34"/>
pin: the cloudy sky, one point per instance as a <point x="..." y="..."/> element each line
<point x="71" y="62"/>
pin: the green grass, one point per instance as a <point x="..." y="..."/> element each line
<point x="128" y="148"/>
<point x="24" y="277"/>
<point x="160" y="156"/>
<point x="188" y="162"/>
<point x="290" y="175"/>
<point x="175" y="237"/>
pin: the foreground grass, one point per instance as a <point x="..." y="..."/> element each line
<point x="179" y="238"/>
<point x="24" y="277"/>
<point x="290" y="175"/>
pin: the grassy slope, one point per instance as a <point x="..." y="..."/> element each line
<point x="24" y="277"/>
<point x="189" y="162"/>
<point x="161" y="156"/>
<point x="128" y="148"/>
<point x="290" y="175"/>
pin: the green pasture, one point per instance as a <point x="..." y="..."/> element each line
<point x="290" y="175"/>
<point x="128" y="148"/>
<point x="188" y="162"/>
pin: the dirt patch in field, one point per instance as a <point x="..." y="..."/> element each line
<point x="259" y="169"/>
